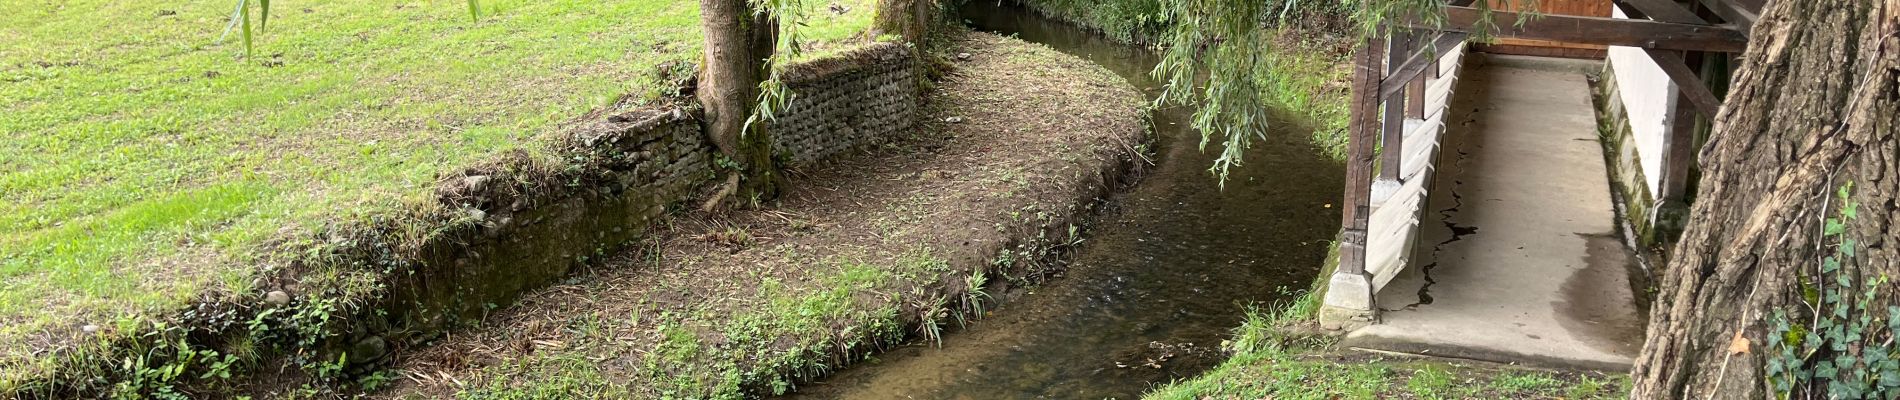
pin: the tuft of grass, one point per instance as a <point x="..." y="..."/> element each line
<point x="143" y="162"/>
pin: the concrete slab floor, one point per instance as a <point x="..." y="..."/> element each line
<point x="1519" y="259"/>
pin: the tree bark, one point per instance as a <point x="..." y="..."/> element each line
<point x="738" y="41"/>
<point x="1813" y="107"/>
<point x="907" y="18"/>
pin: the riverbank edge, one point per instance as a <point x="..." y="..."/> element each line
<point x="1280" y="351"/>
<point x="1022" y="143"/>
<point x="329" y="304"/>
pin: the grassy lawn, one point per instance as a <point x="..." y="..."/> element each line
<point x="143" y="162"/>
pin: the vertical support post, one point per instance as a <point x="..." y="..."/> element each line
<point x="1415" y="97"/>
<point x="1393" y="128"/>
<point x="1348" y="302"/>
<point x="1678" y="158"/>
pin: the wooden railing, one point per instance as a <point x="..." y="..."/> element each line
<point x="1401" y="92"/>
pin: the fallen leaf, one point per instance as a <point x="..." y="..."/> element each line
<point x="1738" y="345"/>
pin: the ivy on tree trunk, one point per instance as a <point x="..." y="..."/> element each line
<point x="1813" y="107"/>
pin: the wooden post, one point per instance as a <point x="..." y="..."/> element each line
<point x="1415" y="101"/>
<point x="1393" y="127"/>
<point x="1678" y="158"/>
<point x="1348" y="301"/>
<point x="1359" y="155"/>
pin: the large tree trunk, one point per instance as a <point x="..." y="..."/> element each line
<point x="738" y="41"/>
<point x="1812" y="108"/>
<point x="907" y="18"/>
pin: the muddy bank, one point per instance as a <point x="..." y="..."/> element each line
<point x="1019" y="141"/>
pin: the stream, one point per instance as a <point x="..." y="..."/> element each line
<point x="1165" y="272"/>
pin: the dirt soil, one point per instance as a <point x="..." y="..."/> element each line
<point x="888" y="245"/>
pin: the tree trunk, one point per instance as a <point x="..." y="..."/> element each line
<point x="738" y="41"/>
<point x="907" y="18"/>
<point x="1813" y="107"/>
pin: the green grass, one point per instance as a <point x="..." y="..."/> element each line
<point x="142" y="162"/>
<point x="1266" y="365"/>
<point x="790" y="333"/>
<point x="1124" y="20"/>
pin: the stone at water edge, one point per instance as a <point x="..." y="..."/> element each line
<point x="277" y="297"/>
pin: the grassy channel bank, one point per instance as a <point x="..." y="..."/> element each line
<point x="1268" y="363"/>
<point x="1019" y="142"/>
<point x="151" y="177"/>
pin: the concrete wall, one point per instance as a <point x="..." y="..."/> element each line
<point x="1648" y="100"/>
<point x="842" y="102"/>
<point x="1638" y="103"/>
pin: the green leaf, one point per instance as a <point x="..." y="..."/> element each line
<point x="1833" y="227"/>
<point x="245" y="20"/>
<point x="263" y="20"/>
<point x="473" y="13"/>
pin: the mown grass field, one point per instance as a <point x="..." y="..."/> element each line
<point x="143" y="161"/>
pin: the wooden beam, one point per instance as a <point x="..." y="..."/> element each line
<point x="1598" y="30"/>
<point x="1660" y="10"/>
<point x="1421" y="57"/>
<point x="1691" y="86"/>
<point x="1361" y="134"/>
<point x="1739" y="15"/>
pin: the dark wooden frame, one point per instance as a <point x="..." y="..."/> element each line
<point x="1672" y="34"/>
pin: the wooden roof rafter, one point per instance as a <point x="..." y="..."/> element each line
<point x="1664" y="29"/>
<point x="1647" y="34"/>
<point x="1741" y="13"/>
<point x="1672" y="62"/>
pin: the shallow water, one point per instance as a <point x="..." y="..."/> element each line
<point x="1161" y="278"/>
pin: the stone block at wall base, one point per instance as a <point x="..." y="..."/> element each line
<point x="1348" y="304"/>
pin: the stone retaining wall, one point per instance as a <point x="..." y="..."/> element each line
<point x="620" y="175"/>
<point x="843" y="102"/>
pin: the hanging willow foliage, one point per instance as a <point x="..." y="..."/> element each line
<point x="790" y="16"/>
<point x="1217" y="56"/>
<point x="1224" y="39"/>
